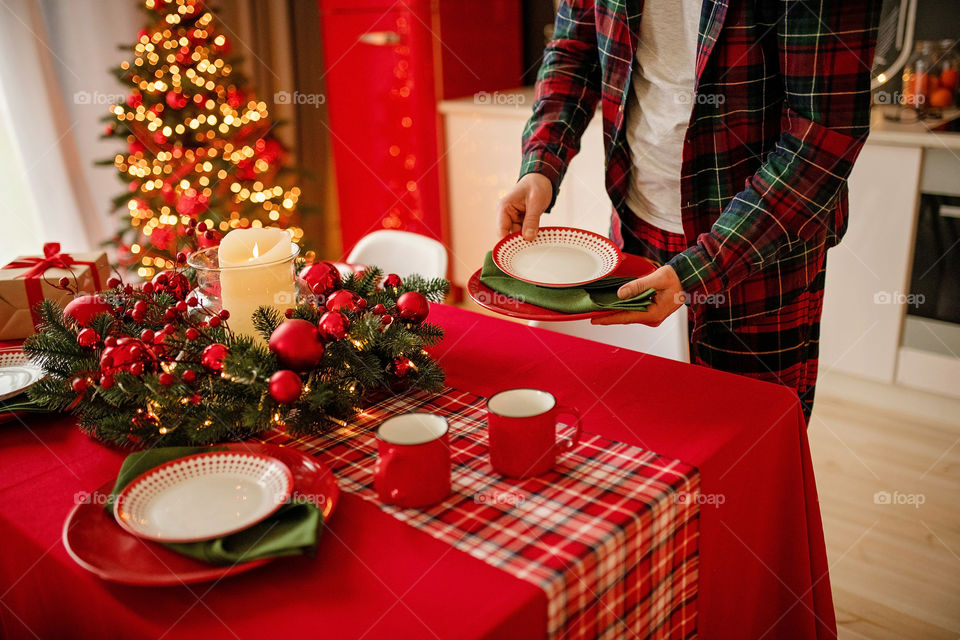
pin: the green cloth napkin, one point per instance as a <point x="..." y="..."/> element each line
<point x="294" y="529"/>
<point x="595" y="296"/>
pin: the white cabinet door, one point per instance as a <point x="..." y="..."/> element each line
<point x="867" y="274"/>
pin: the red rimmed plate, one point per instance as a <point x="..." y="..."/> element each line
<point x="631" y="266"/>
<point x="98" y="544"/>
<point x="558" y="257"/>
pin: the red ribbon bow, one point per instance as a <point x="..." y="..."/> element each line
<point x="52" y="257"/>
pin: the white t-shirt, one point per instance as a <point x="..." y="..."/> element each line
<point x="658" y="108"/>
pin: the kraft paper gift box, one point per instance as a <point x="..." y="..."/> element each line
<point x="28" y="280"/>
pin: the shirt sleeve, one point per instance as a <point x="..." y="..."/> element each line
<point x="825" y="53"/>
<point x="567" y="92"/>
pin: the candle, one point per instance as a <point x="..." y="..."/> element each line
<point x="256" y="271"/>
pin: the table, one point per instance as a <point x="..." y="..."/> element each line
<point x="763" y="570"/>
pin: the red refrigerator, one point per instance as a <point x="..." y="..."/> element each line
<point x="387" y="65"/>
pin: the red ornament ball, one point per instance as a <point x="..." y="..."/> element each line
<point x="392" y="280"/>
<point x="79" y="385"/>
<point x="166" y="379"/>
<point x="323" y="277"/>
<point x="83" y="309"/>
<point x="342" y="300"/>
<point x="297" y="345"/>
<point x="285" y="386"/>
<point x="413" y="306"/>
<point x="213" y="356"/>
<point x="333" y="325"/>
<point x="88" y="337"/>
<point x="402" y="366"/>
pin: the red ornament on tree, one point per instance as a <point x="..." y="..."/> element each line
<point x="177" y="100"/>
<point x="297" y="345"/>
<point x="341" y="300"/>
<point x="413" y="306"/>
<point x="213" y="356"/>
<point x="323" y="277"/>
<point x="83" y="309"/>
<point x="333" y="325"/>
<point x="285" y="386"/>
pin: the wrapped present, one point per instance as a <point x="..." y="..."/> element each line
<point x="28" y="280"/>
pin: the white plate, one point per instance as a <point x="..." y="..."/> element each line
<point x="203" y="496"/>
<point x="16" y="373"/>
<point x="558" y="257"/>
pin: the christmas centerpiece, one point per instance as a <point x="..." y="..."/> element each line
<point x="156" y="365"/>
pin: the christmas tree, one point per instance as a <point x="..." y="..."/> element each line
<point x="198" y="144"/>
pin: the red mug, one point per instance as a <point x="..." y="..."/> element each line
<point x="413" y="465"/>
<point x="522" y="426"/>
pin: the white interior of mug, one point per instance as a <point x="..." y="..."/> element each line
<point x="412" y="428"/>
<point x="521" y="403"/>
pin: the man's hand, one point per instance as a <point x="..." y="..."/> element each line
<point x="669" y="298"/>
<point x="523" y="205"/>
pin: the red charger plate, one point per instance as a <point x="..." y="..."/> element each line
<point x="631" y="266"/>
<point x="98" y="544"/>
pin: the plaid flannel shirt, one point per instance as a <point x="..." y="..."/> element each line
<point x="780" y="113"/>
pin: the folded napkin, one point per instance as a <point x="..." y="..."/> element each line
<point x="294" y="529"/>
<point x="595" y="296"/>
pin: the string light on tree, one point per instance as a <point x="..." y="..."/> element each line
<point x="197" y="143"/>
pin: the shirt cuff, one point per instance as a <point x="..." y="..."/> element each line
<point x="697" y="271"/>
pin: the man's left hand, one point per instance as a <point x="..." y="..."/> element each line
<point x="669" y="298"/>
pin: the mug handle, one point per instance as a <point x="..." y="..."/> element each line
<point x="568" y="445"/>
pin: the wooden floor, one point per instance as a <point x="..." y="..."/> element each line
<point x="895" y="568"/>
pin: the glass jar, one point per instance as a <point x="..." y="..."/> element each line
<point x="917" y="73"/>
<point x="948" y="66"/>
<point x="242" y="289"/>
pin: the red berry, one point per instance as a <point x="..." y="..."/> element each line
<point x="162" y="279"/>
<point x="147" y="288"/>
<point x="64" y="282"/>
<point x="379" y="309"/>
<point x="196" y="398"/>
<point x="79" y="384"/>
<point x="169" y="329"/>
<point x="386" y="319"/>
<point x="140" y="307"/>
<point x="192" y="334"/>
<point x="189" y="375"/>
<point x="166" y="379"/>
<point x="214" y="321"/>
<point x="361" y="304"/>
<point x="288" y="313"/>
<point x="224" y="315"/>
<point x="209" y="235"/>
<point x="181" y="306"/>
<point x="106" y="381"/>
<point x="147" y="335"/>
<point x="182" y="257"/>
<point x="202" y="227"/>
<point x="192" y="302"/>
<point x="113" y="283"/>
<point x="170" y="314"/>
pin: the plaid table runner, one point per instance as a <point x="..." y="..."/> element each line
<point x="610" y="535"/>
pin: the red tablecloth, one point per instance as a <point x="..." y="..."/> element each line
<point x="763" y="569"/>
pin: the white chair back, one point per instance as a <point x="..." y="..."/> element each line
<point x="402" y="253"/>
<point x="669" y="340"/>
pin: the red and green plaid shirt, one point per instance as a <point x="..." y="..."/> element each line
<point x="781" y="110"/>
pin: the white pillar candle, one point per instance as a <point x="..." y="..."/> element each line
<point x="256" y="272"/>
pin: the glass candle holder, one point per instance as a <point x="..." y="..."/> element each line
<point x="241" y="290"/>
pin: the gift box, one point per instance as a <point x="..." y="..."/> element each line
<point x="28" y="280"/>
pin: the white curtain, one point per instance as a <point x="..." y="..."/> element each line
<point x="54" y="88"/>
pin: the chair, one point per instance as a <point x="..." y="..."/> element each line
<point x="402" y="253"/>
<point x="669" y="340"/>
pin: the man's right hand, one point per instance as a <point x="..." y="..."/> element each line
<point x="521" y="208"/>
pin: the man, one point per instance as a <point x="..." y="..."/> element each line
<point x="730" y="128"/>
